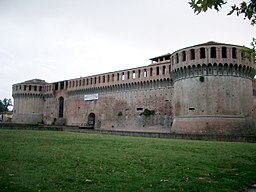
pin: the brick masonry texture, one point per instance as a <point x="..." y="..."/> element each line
<point x="206" y="88"/>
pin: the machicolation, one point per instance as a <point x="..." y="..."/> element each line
<point x="206" y="88"/>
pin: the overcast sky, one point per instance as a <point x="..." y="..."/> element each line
<point x="57" y="40"/>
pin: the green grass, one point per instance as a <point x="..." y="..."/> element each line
<point x="63" y="161"/>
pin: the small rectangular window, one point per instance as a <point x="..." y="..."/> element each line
<point x="213" y="52"/>
<point x="183" y="56"/>
<point x="202" y="53"/>
<point x="133" y="75"/>
<point x="233" y="53"/>
<point x="145" y="73"/>
<point x="151" y="72"/>
<point x="164" y="70"/>
<point x="157" y="70"/>
<point x="192" y="54"/>
<point x="177" y="58"/>
<point x="224" y="52"/>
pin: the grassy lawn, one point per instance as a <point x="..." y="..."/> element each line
<point x="63" y="161"/>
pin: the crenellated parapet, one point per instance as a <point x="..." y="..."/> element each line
<point x="118" y="80"/>
<point x="212" y="59"/>
<point x="31" y="88"/>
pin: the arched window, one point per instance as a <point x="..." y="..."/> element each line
<point x="61" y="107"/>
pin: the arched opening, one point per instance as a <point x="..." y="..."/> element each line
<point x="90" y="121"/>
<point x="61" y="107"/>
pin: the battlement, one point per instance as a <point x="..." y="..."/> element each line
<point x="34" y="87"/>
<point x="207" y="53"/>
<point x="205" y="88"/>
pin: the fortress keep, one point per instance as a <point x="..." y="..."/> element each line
<point x="206" y="88"/>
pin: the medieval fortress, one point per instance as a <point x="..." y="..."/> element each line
<point x="206" y="88"/>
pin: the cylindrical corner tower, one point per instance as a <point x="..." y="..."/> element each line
<point x="28" y="101"/>
<point x="212" y="88"/>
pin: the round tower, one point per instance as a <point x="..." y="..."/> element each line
<point x="212" y="88"/>
<point x="28" y="101"/>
